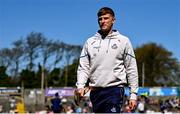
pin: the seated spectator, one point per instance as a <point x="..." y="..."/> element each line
<point x="56" y="104"/>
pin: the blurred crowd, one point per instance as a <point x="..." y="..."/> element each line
<point x="155" y="104"/>
<point x="146" y="104"/>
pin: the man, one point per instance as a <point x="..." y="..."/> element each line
<point x="56" y="104"/>
<point x="107" y="60"/>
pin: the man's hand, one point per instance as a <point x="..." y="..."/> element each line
<point x="78" y="94"/>
<point x="132" y="104"/>
<point x="80" y="91"/>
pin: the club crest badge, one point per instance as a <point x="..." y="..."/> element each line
<point x="114" y="46"/>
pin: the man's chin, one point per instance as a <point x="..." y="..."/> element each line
<point x="104" y="30"/>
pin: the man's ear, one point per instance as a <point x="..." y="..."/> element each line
<point x="114" y="20"/>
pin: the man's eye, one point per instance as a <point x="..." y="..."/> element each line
<point x="106" y="18"/>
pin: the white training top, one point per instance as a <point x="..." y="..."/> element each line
<point x="108" y="62"/>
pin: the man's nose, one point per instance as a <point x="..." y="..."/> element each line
<point x="103" y="20"/>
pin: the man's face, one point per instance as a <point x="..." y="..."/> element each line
<point x="106" y="22"/>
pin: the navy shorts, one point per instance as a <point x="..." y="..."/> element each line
<point x="107" y="100"/>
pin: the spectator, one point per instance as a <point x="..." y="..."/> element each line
<point x="141" y="106"/>
<point x="163" y="107"/>
<point x="78" y="110"/>
<point x="56" y="104"/>
<point x="12" y="103"/>
<point x="70" y="109"/>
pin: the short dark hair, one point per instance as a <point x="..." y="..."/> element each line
<point x="57" y="94"/>
<point x="105" y="10"/>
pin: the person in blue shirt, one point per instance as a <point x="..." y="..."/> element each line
<point x="56" y="104"/>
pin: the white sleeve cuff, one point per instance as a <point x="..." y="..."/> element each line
<point x="79" y="85"/>
<point x="133" y="96"/>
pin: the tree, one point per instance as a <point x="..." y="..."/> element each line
<point x="58" y="48"/>
<point x="17" y="52"/>
<point x="28" y="78"/>
<point x="161" y="69"/>
<point x="32" y="47"/>
<point x="54" y="78"/>
<point x="4" y="78"/>
<point x="71" y="53"/>
<point x="47" y="50"/>
<point x="5" y="57"/>
<point x="22" y="59"/>
<point x="72" y="73"/>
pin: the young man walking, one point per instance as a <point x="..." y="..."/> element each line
<point x="108" y="61"/>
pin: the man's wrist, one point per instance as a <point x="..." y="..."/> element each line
<point x="79" y="86"/>
<point x="133" y="96"/>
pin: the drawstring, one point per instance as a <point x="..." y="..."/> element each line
<point x="99" y="45"/>
<point x="108" y="45"/>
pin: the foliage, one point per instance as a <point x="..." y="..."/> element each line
<point x="72" y="73"/>
<point x="161" y="69"/>
<point x="25" y="60"/>
<point x="4" y="78"/>
<point x="29" y="58"/>
<point x="28" y="78"/>
<point x="54" y="78"/>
